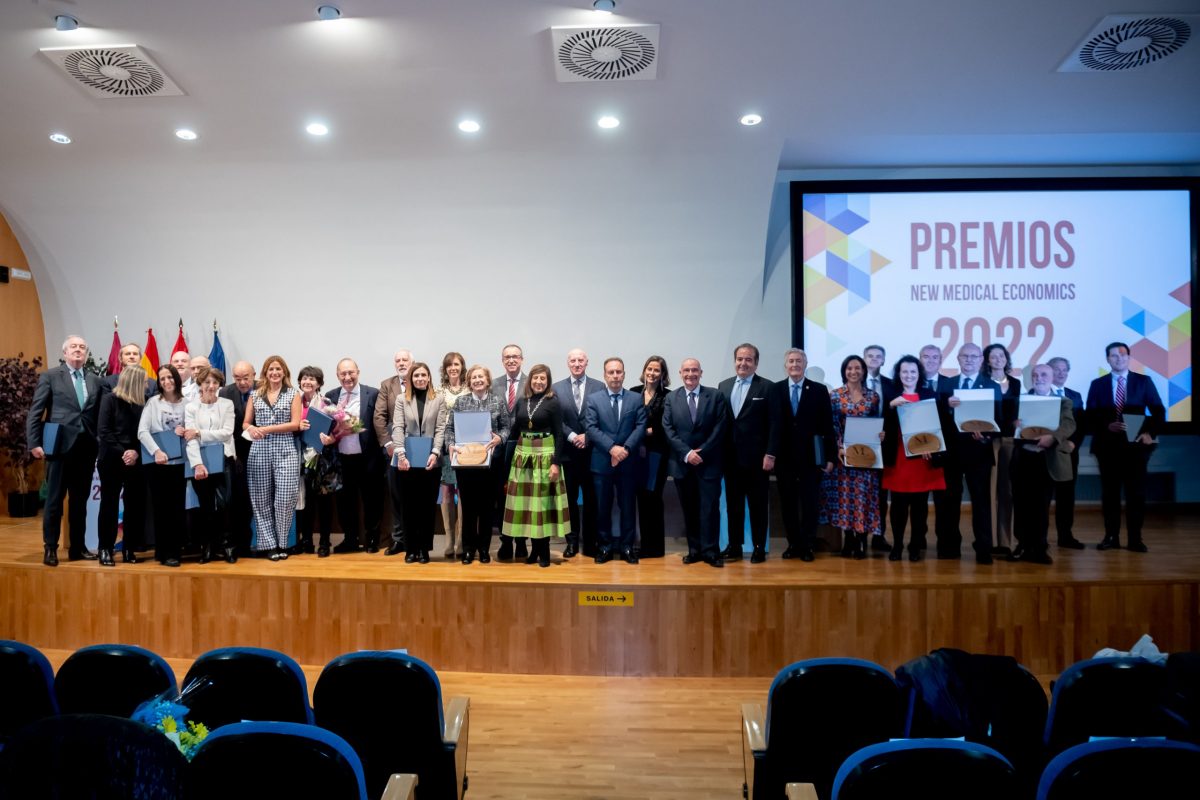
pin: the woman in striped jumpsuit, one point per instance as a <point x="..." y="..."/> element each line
<point x="273" y="466"/>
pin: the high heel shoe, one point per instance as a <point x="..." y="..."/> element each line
<point x="860" y="546"/>
<point x="897" y="552"/>
<point x="848" y="546"/>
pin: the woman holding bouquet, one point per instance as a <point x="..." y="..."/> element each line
<point x="418" y="413"/>
<point x="165" y="412"/>
<point x="453" y="387"/>
<point x="209" y="420"/>
<point x="321" y="476"/>
<point x="476" y="490"/>
<point x="273" y="466"/>
<point x="536" y="501"/>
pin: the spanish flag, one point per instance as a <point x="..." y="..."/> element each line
<point x="150" y="355"/>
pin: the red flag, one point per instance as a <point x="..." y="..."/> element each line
<point x="180" y="342"/>
<point x="114" y="355"/>
<point x="150" y="355"/>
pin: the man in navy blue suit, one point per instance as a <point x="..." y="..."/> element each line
<point x="572" y="393"/>
<point x="1064" y="491"/>
<point x="969" y="459"/>
<point x="1123" y="462"/>
<point x="362" y="462"/>
<point x="616" y="423"/>
<point x="694" y="419"/>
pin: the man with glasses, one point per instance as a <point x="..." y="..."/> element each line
<point x="508" y="387"/>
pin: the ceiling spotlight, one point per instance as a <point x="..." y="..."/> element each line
<point x="60" y="138"/>
<point x="604" y="6"/>
<point x="468" y="126"/>
<point x="608" y="122"/>
<point x="328" y="12"/>
<point x="750" y="119"/>
<point x="187" y="134"/>
<point x="65" y="22"/>
<point x="317" y="128"/>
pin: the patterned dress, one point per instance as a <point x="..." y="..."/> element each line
<point x="850" y="496"/>
<point x="273" y="473"/>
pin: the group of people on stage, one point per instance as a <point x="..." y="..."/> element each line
<point x="540" y="459"/>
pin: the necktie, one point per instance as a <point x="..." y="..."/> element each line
<point x="1058" y="392"/>
<point x="739" y="396"/>
<point x="1120" y="399"/>
<point x="795" y="397"/>
<point x="79" y="387"/>
<point x="344" y="400"/>
<point x="615" y="397"/>
<point x="966" y="383"/>
<point x="579" y="395"/>
<point x="692" y="404"/>
<point x="512" y="393"/>
<point x="873" y="385"/>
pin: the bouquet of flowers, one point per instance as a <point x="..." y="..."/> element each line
<point x="169" y="716"/>
<point x="344" y="424"/>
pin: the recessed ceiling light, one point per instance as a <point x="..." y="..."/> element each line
<point x="317" y="128"/>
<point x="604" y="6"/>
<point x="187" y="134"/>
<point x="328" y="12"/>
<point x="608" y="122"/>
<point x="750" y="119"/>
<point x="65" y="22"/>
<point x="60" y="138"/>
<point x="468" y="126"/>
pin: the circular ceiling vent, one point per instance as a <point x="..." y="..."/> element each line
<point x="604" y="54"/>
<point x="1134" y="44"/>
<point x="114" y="72"/>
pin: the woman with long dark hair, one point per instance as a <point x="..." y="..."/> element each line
<point x="165" y="412"/>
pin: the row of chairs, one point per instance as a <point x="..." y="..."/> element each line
<point x="822" y="714"/>
<point x="385" y="706"/>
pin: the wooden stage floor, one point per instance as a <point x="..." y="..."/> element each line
<point x="742" y="621"/>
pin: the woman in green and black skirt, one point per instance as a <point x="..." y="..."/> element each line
<point x="535" y="503"/>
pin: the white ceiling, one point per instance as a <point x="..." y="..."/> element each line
<point x="680" y="186"/>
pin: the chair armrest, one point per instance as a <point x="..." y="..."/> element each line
<point x="754" y="742"/>
<point x="458" y="725"/>
<point x="801" y="791"/>
<point x="401" y="786"/>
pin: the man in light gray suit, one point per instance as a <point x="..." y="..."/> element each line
<point x="69" y="397"/>
<point x="508" y="387"/>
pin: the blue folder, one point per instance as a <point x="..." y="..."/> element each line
<point x="417" y="450"/>
<point x="319" y="423"/>
<point x="212" y="454"/>
<point x="170" y="443"/>
<point x="50" y="438"/>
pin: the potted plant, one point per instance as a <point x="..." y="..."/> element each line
<point x="18" y="379"/>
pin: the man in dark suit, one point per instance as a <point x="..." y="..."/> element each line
<point x="969" y="459"/>
<point x="572" y="393"/>
<point x="746" y="478"/>
<point x="616" y="423"/>
<point x="1122" y="462"/>
<point x="694" y="419"/>
<point x="885" y="387"/>
<point x="1064" y="491"/>
<point x="508" y="387"/>
<point x="931" y="366"/>
<point x="130" y="356"/>
<point x="69" y="397"/>
<point x="239" y="392"/>
<point x="362" y="462"/>
<point x="1037" y="465"/>
<point x="800" y="449"/>
<point x="389" y="389"/>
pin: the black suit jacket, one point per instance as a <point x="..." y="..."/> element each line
<point x="367" y="440"/>
<point x="574" y="421"/>
<point x="1140" y="398"/>
<point x="964" y="449"/>
<point x="54" y="400"/>
<point x="792" y="439"/>
<point x="706" y="435"/>
<point x="746" y="434"/>
<point x="240" y="445"/>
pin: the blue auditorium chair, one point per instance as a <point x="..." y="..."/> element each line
<point x="254" y="760"/>
<point x="1121" y="696"/>
<point x="388" y="706"/>
<point x="1120" y="768"/>
<point x="987" y="699"/>
<point x="931" y="769"/>
<point x="91" y="757"/>
<point x="234" y="684"/>
<point x="111" y="679"/>
<point x="28" y="685"/>
<point x="818" y="712"/>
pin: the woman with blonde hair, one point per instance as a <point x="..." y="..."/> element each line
<point x="119" y="464"/>
<point x="453" y="386"/>
<point x="475" y="481"/>
<point x="273" y="466"/>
